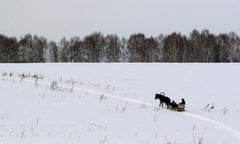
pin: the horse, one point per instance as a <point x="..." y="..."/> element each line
<point x="163" y="99"/>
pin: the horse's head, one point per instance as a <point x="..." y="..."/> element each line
<point x="156" y="96"/>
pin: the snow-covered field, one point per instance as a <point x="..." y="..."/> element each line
<point x="114" y="104"/>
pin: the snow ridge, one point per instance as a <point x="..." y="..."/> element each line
<point x="215" y="123"/>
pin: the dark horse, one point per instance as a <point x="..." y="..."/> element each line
<point x="163" y="99"/>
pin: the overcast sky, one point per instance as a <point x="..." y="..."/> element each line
<point x="55" y="19"/>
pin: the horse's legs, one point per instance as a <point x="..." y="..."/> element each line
<point x="161" y="104"/>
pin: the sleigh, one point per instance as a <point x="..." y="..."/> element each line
<point x="178" y="107"/>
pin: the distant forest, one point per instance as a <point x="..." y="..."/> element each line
<point x="198" y="46"/>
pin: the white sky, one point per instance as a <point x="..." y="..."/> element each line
<point x="55" y="19"/>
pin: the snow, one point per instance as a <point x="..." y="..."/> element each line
<point x="113" y="103"/>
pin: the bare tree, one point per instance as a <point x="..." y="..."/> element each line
<point x="113" y="45"/>
<point x="31" y="48"/>
<point x="94" y="44"/>
<point x="8" y="49"/>
<point x="136" y="46"/>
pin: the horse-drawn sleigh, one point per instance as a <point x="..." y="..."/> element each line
<point x="172" y="105"/>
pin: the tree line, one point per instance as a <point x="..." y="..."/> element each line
<point x="198" y="46"/>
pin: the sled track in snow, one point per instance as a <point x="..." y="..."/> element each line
<point x="215" y="123"/>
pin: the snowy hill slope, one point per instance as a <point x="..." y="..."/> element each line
<point x="113" y="103"/>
